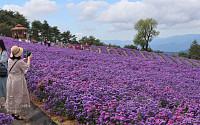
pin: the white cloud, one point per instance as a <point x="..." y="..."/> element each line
<point x="87" y="10"/>
<point x="121" y="15"/>
<point x="87" y="27"/>
<point x="78" y="34"/>
<point x="34" y="9"/>
<point x="70" y="5"/>
<point x="122" y="12"/>
<point x="120" y="26"/>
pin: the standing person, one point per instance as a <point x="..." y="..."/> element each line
<point x="17" y="92"/>
<point x="49" y="43"/>
<point x="45" y="42"/>
<point x="17" y="37"/>
<point x="3" y="63"/>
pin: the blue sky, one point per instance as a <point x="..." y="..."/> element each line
<point x="111" y="19"/>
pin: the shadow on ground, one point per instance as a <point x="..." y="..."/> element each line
<point x="34" y="116"/>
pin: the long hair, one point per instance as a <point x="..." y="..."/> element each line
<point x="2" y="45"/>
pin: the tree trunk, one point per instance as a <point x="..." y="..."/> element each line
<point x="147" y="44"/>
<point x="143" y="48"/>
<point x="148" y="38"/>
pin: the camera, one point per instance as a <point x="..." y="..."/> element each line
<point x="27" y="53"/>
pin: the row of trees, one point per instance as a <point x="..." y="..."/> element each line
<point x="41" y="30"/>
<point x="145" y="28"/>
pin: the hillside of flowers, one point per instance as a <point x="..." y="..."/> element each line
<point x="98" y="88"/>
<point x="135" y="53"/>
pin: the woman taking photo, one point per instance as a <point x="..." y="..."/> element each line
<point x="3" y="64"/>
<point x="17" y="92"/>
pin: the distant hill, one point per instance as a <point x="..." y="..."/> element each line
<point x="118" y="42"/>
<point x="170" y="44"/>
<point x="176" y="53"/>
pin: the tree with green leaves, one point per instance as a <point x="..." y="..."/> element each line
<point x="56" y="33"/>
<point x="5" y="29"/>
<point x="182" y="54"/>
<point x="145" y="32"/>
<point x="35" y="30"/>
<point x="130" y="47"/>
<point x="9" y="19"/>
<point x="39" y="31"/>
<point x="67" y="37"/>
<point x="83" y="40"/>
<point x="194" y="51"/>
<point x="158" y="51"/>
<point x="111" y="45"/>
<point x="91" y="40"/>
<point x="46" y="30"/>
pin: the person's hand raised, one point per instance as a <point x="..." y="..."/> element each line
<point x="24" y="59"/>
<point x="29" y="57"/>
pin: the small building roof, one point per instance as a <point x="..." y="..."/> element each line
<point x="19" y="27"/>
